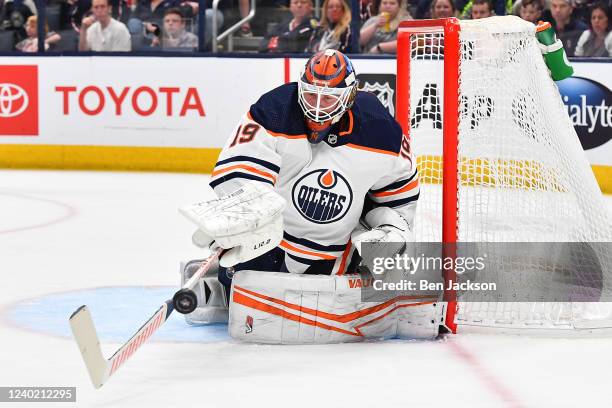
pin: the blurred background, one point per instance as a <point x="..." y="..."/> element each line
<point x="272" y="26"/>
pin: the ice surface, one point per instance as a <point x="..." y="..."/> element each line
<point x="114" y="241"/>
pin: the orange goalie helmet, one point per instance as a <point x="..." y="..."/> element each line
<point x="327" y="87"/>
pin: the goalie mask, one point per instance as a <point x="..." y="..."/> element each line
<point x="326" y="90"/>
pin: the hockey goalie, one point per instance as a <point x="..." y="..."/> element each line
<point x="314" y="170"/>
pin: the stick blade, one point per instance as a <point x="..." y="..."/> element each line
<point x="86" y="337"/>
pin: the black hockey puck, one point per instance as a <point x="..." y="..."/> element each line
<point x="185" y="301"/>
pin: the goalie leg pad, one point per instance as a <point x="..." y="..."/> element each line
<point x="421" y="322"/>
<point x="284" y="308"/>
<point x="212" y="300"/>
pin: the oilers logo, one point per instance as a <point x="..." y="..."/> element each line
<point x="322" y="196"/>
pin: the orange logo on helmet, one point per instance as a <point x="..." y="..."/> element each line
<point x="327" y="68"/>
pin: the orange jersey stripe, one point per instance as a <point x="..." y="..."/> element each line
<point x="276" y="134"/>
<point x="345" y="254"/>
<point x="244" y="167"/>
<point x="407" y="187"/>
<point x="286" y="245"/>
<point x="371" y="149"/>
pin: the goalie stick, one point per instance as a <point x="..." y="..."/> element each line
<point x="84" y="331"/>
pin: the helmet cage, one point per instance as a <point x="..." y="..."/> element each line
<point x="342" y="100"/>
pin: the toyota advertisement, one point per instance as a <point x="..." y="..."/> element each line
<point x="19" y="100"/>
<point x="122" y="101"/>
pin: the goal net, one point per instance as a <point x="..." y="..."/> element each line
<point x="500" y="163"/>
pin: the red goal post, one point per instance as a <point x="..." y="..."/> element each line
<point x="449" y="29"/>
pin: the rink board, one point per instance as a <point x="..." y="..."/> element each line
<point x="128" y="158"/>
<point x="118" y="113"/>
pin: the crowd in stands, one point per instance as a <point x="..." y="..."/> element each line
<point x="280" y="26"/>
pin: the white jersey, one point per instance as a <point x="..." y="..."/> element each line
<point x="364" y="160"/>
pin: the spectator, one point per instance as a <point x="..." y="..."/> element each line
<point x="146" y="19"/>
<point x="190" y="11"/>
<point x="334" y="30"/>
<point x="481" y="9"/>
<point x="438" y="9"/>
<point x="101" y="32"/>
<point x="291" y="35"/>
<point x="531" y="10"/>
<point x="498" y="7"/>
<point x="443" y="9"/>
<point x="75" y="10"/>
<point x="14" y="14"/>
<point x="174" y="34"/>
<point x="379" y="34"/>
<point x="30" y="44"/>
<point x="568" y="28"/>
<point x="597" y="42"/>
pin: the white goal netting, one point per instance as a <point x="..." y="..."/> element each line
<point x="523" y="175"/>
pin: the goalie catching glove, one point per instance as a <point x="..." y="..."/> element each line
<point x="247" y="222"/>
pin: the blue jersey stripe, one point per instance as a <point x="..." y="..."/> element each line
<point x="397" y="203"/>
<point x="263" y="163"/>
<point x="395" y="185"/>
<point x="237" y="174"/>
<point x="313" y="245"/>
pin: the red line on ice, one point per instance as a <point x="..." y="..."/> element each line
<point x="70" y="212"/>
<point x="492" y="383"/>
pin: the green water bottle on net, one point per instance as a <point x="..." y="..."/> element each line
<point x="553" y="52"/>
